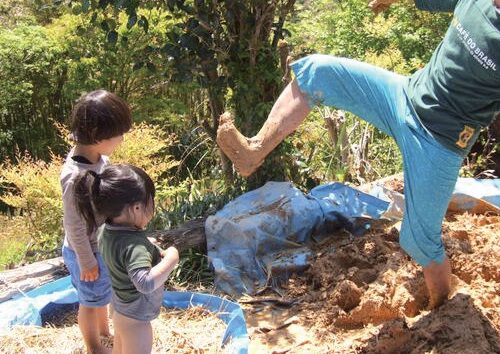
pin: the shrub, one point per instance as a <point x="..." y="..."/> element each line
<point x="32" y="186"/>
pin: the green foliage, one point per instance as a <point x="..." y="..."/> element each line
<point x="228" y="47"/>
<point x="190" y="199"/>
<point x="32" y="70"/>
<point x="350" y="150"/>
<point x="349" y="28"/>
<point x="484" y="159"/>
<point x="193" y="268"/>
<point x="33" y="188"/>
<point x="17" y="12"/>
<point x="145" y="146"/>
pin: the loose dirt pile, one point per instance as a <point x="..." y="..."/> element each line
<point x="365" y="295"/>
<point x="175" y="331"/>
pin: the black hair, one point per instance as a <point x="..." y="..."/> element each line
<point x="104" y="195"/>
<point x="99" y="115"/>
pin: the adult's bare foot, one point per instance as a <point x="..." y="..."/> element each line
<point x="245" y="153"/>
<point x="438" y="280"/>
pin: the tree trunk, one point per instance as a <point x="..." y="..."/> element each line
<point x="190" y="235"/>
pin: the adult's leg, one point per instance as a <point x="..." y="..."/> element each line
<point x="367" y="91"/>
<point x="247" y="154"/>
<point x="438" y="280"/>
<point x="136" y="336"/>
<point x="430" y="173"/>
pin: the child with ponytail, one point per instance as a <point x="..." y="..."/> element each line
<point x="123" y="196"/>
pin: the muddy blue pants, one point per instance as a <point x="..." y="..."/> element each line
<point x="379" y="97"/>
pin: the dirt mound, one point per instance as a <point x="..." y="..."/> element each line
<point x="365" y="295"/>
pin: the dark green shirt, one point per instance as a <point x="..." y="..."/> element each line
<point x="458" y="92"/>
<point x="124" y="250"/>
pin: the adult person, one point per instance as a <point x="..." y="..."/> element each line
<point x="435" y="116"/>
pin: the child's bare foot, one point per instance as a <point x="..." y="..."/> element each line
<point x="246" y="154"/>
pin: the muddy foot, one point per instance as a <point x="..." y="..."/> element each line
<point x="243" y="152"/>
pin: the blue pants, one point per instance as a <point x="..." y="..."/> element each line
<point x="90" y="293"/>
<point x="378" y="96"/>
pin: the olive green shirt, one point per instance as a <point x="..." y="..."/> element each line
<point x="458" y="92"/>
<point x="123" y="250"/>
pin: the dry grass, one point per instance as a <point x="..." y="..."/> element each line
<point x="195" y="330"/>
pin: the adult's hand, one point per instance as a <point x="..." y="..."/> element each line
<point x="380" y="5"/>
<point x="91" y="274"/>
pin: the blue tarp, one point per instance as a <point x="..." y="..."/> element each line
<point x="252" y="233"/>
<point x="469" y="194"/>
<point x="263" y="235"/>
<point x="27" y="309"/>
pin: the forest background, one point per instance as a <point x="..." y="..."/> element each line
<point x="180" y="64"/>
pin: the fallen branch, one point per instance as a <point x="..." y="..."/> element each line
<point x="190" y="235"/>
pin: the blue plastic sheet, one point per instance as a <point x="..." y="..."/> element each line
<point x="235" y="339"/>
<point x="28" y="308"/>
<point x="260" y="230"/>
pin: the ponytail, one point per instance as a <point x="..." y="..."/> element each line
<point x="85" y="189"/>
<point x="102" y="197"/>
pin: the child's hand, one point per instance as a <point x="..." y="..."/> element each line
<point x="162" y="270"/>
<point x="91" y="274"/>
<point x="171" y="253"/>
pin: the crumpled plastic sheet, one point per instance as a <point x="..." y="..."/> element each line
<point x="469" y="194"/>
<point x="476" y="195"/>
<point x="260" y="236"/>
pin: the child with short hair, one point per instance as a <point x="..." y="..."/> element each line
<point x="98" y="122"/>
<point x="124" y="196"/>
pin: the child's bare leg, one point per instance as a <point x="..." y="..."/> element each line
<point x="247" y="154"/>
<point x="117" y="342"/>
<point x="438" y="280"/>
<point x="136" y="337"/>
<point x="88" y="322"/>
<point x="102" y="321"/>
